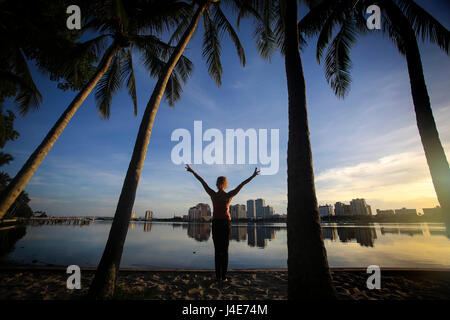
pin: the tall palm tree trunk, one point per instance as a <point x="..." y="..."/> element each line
<point x="21" y="179"/>
<point x="429" y="135"/>
<point x="308" y="272"/>
<point x="434" y="152"/>
<point x="106" y="276"/>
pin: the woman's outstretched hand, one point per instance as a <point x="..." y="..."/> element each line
<point x="255" y="173"/>
<point x="189" y="169"/>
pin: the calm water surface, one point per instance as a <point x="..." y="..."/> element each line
<point x="190" y="245"/>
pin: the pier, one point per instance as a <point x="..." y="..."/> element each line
<point x="48" y="221"/>
<point x="60" y="220"/>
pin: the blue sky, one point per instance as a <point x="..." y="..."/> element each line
<point x="366" y="145"/>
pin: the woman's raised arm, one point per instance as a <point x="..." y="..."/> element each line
<point x="235" y="191"/>
<point x="204" y="184"/>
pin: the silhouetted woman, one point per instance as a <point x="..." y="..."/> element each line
<point x="221" y="222"/>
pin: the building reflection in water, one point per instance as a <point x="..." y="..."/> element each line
<point x="258" y="234"/>
<point x="365" y="236"/>
<point x="254" y="234"/>
<point x="147" y="227"/>
<point x="239" y="233"/>
<point x="199" y="231"/>
<point x="330" y="232"/>
<point x="408" y="231"/>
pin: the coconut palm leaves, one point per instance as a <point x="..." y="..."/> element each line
<point x="155" y="54"/>
<point x="425" y="25"/>
<point x="125" y="22"/>
<point x="329" y="15"/>
<point x="15" y="76"/>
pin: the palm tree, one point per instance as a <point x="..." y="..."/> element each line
<point x="403" y="22"/>
<point x="15" y="76"/>
<point x="214" y="21"/>
<point x="121" y="23"/>
<point x="308" y="271"/>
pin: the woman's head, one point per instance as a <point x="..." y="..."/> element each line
<point x="222" y="183"/>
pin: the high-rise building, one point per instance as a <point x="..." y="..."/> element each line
<point x="251" y="209"/>
<point x="326" y="210"/>
<point x="200" y="211"/>
<point x="359" y="207"/>
<point x="342" y="209"/>
<point x="238" y="211"/>
<point x="259" y="204"/>
<point x="148" y="215"/>
<point x="268" y="211"/>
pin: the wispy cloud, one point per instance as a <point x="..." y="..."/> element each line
<point x="394" y="180"/>
<point x="199" y="97"/>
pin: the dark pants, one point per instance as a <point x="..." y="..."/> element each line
<point x="221" y="230"/>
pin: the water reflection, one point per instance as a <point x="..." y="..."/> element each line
<point x="258" y="235"/>
<point x="199" y="231"/>
<point x="365" y="236"/>
<point x="9" y="236"/>
<point x="171" y="245"/>
<point x="147" y="227"/>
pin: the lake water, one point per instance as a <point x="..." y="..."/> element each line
<point x="190" y="245"/>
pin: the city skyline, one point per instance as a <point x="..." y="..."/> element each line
<point x="372" y="212"/>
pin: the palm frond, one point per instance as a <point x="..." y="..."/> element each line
<point x="127" y="73"/>
<point x="278" y="21"/>
<point x="337" y="60"/>
<point x="266" y="41"/>
<point x="392" y="15"/>
<point x="5" y="158"/>
<point x="107" y="86"/>
<point x="173" y="89"/>
<point x="244" y="8"/>
<point x="179" y="30"/>
<point x="212" y="49"/>
<point x="312" y="23"/>
<point x="94" y="46"/>
<point x="425" y="25"/>
<point x="28" y="96"/>
<point x="184" y="68"/>
<point x="223" y="25"/>
<point x="155" y="55"/>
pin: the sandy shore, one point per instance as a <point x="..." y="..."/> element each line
<point x="26" y="283"/>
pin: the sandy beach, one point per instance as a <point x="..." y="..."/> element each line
<point x="49" y="283"/>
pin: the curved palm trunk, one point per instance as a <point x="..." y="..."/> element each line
<point x="429" y="135"/>
<point x="105" y="278"/>
<point x="434" y="152"/>
<point x="21" y="179"/>
<point x="308" y="272"/>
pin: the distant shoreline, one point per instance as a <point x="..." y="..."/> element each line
<point x="348" y="219"/>
<point x="330" y="219"/>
